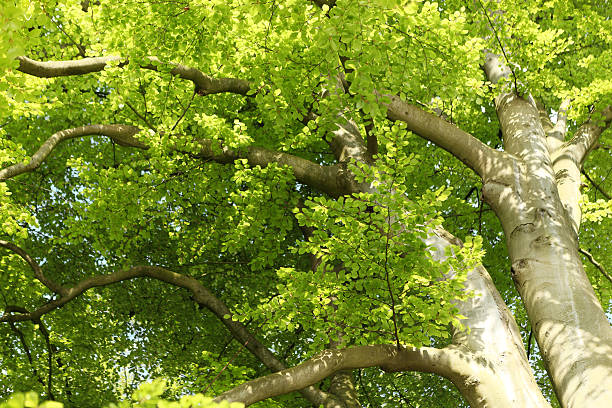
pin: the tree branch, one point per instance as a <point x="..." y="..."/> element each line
<point x="205" y="85"/>
<point x="200" y="294"/>
<point x="26" y="349"/>
<point x="38" y="273"/>
<point x="595" y="263"/>
<point x="328" y="362"/>
<point x="597" y="186"/>
<point x="334" y="180"/>
<point x="121" y="134"/>
<point x="471" y="151"/>
<point x="585" y="138"/>
<point x="464" y="146"/>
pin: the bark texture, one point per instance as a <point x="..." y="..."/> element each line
<point x="538" y="208"/>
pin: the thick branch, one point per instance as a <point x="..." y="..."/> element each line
<point x="328" y="362"/>
<point x="333" y="180"/>
<point x="38" y="273"/>
<point x="121" y="134"/>
<point x="205" y="85"/>
<point x="471" y="151"/>
<point x="568" y="159"/>
<point x="585" y="138"/>
<point x="200" y="294"/>
<point x="52" y="69"/>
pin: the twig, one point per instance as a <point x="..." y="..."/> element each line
<point x="184" y="112"/>
<point x="500" y="45"/>
<point x="387" y="276"/>
<point x="38" y="273"/>
<point x="595" y="263"/>
<point x="597" y="186"/>
<point x="529" y="343"/>
<point x="223" y="369"/>
<point x="364" y="389"/>
<point x="141" y="117"/>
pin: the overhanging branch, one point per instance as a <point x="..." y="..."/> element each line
<point x="200" y="294"/>
<point x="333" y="180"/>
<point x="328" y="362"/>
<point x="471" y="151"/>
<point x="205" y="85"/>
<point x="38" y="273"/>
<point x="121" y="134"/>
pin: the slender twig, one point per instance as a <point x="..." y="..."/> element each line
<point x="500" y="46"/>
<point x="363" y="387"/>
<point x="480" y="203"/>
<point x="184" y="112"/>
<point x="529" y="343"/>
<point x="402" y="396"/>
<point x="26" y="349"/>
<point x="79" y="47"/>
<point x="223" y="369"/>
<point x="597" y="186"/>
<point x="595" y="263"/>
<point x="146" y="122"/>
<point x="387" y="276"/>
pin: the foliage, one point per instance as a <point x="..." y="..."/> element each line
<point x="249" y="233"/>
<point x="147" y="395"/>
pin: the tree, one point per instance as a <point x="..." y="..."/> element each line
<point x="185" y="180"/>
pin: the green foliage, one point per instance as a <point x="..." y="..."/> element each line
<point x="250" y="233"/>
<point x="147" y="395"/>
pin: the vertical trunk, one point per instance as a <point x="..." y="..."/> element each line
<point x="570" y="326"/>
<point x="495" y="371"/>
<point x="499" y="374"/>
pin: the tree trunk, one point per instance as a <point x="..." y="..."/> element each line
<point x="540" y="225"/>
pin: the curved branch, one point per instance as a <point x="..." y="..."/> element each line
<point x="28" y="354"/>
<point x="465" y="147"/>
<point x="585" y="138"/>
<point x="201" y="295"/>
<point x="328" y="362"/>
<point x="568" y="160"/>
<point x="38" y="273"/>
<point x="121" y="134"/>
<point x="333" y="180"/>
<point x="205" y="85"/>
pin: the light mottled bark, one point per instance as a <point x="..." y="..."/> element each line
<point x="493" y="347"/>
<point x="121" y="134"/>
<point x="328" y="362"/>
<point x="465" y="147"/>
<point x="538" y="207"/>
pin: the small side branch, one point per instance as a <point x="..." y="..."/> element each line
<point x="200" y="294"/>
<point x="38" y="272"/>
<point x="597" y="186"/>
<point x="500" y="46"/>
<point x="586" y="137"/>
<point x="28" y="354"/>
<point x="333" y="179"/>
<point x="121" y="134"/>
<point x="599" y="266"/>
